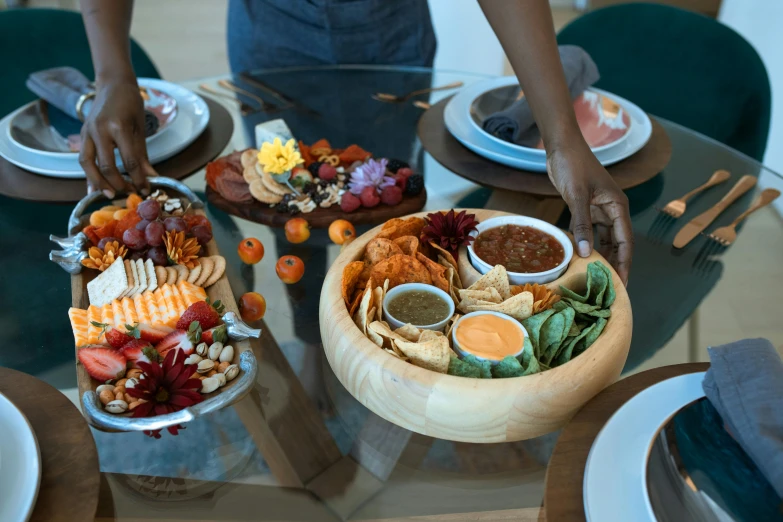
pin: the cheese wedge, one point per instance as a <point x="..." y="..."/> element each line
<point x="94" y="332"/>
<point x="179" y="303"/>
<point x="152" y="308"/>
<point x="129" y="309"/>
<point x="79" y="325"/>
<point x="152" y="278"/>
<point x="118" y="314"/>
<point x="141" y="277"/>
<point x="141" y="309"/>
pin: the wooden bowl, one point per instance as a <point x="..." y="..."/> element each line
<point x="460" y="408"/>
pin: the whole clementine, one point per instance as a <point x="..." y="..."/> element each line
<point x="297" y="230"/>
<point x="252" y="306"/>
<point x="290" y="269"/>
<point x="250" y="250"/>
<point x="341" y="231"/>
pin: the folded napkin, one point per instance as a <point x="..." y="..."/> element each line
<point x="745" y="384"/>
<point x="515" y="124"/>
<point x="61" y="87"/>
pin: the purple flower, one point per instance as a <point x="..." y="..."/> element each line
<point x="370" y="174"/>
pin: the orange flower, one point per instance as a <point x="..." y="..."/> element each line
<point x="102" y="259"/>
<point x="182" y="251"/>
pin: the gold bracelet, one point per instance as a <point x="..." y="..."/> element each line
<point x="80" y="103"/>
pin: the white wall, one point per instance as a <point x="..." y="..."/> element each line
<point x="759" y="21"/>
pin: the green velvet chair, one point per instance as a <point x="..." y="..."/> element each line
<point x="32" y="40"/>
<point x="681" y="66"/>
<point x="36" y="39"/>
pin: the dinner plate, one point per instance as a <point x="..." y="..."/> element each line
<point x="603" y="121"/>
<point x="192" y="118"/>
<point x="615" y="481"/>
<point x="32" y="130"/>
<point x="460" y="123"/>
<point x="20" y="464"/>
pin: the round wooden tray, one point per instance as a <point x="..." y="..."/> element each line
<point x="563" y="499"/>
<point x="70" y="478"/>
<point x="438" y="141"/>
<point x="22" y="184"/>
<point x="458" y="408"/>
<point x="320" y="218"/>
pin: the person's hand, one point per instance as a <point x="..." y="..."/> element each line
<point x="594" y="199"/>
<point x="116" y="119"/>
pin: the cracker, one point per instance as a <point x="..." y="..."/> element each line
<point x="172" y="275"/>
<point x="142" y="277"/>
<point x="207" y="267"/>
<point x="130" y="269"/>
<point x="259" y="191"/>
<point x="152" y="276"/>
<point x="109" y="285"/>
<point x="249" y="157"/>
<point x="162" y="275"/>
<point x="217" y="272"/>
<point x="273" y="186"/>
<point x="194" y="274"/>
<point x="182" y="273"/>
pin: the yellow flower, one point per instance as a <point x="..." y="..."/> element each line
<point x="277" y="158"/>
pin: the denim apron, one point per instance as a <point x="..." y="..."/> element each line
<point x="265" y="34"/>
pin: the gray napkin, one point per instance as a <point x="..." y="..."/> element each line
<point x="61" y="87"/>
<point x="745" y="384"/>
<point x="516" y="124"/>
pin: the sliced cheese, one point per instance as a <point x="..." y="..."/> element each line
<point x="118" y="314"/>
<point x="171" y="308"/>
<point x="94" y="332"/>
<point x="79" y="324"/>
<point x="179" y="303"/>
<point x="152" y="308"/>
<point x="129" y="310"/>
<point x="141" y="309"/>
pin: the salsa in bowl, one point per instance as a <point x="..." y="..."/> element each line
<point x="531" y="250"/>
<point x="422" y="305"/>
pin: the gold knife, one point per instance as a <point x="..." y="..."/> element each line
<point x="702" y="221"/>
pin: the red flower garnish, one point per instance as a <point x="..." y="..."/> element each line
<point x="166" y="388"/>
<point x="449" y="230"/>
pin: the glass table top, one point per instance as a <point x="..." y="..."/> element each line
<point x="300" y="447"/>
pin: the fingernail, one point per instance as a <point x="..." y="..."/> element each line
<point x="108" y="193"/>
<point x="584" y="248"/>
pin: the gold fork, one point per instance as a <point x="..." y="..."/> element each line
<point x="728" y="234"/>
<point x="393" y="98"/>
<point x="676" y="208"/>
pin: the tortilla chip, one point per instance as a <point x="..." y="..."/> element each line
<point x="355" y="304"/>
<point x="442" y="252"/>
<point x="490" y="295"/>
<point x="508" y="367"/>
<point x="428" y="335"/>
<point x="397" y="227"/>
<point x="460" y="368"/>
<point x="400" y="269"/>
<point x="351" y="274"/>
<point x="543" y="298"/>
<point x="360" y="318"/>
<point x="408" y="244"/>
<point x="451" y="323"/>
<point x="408" y="332"/>
<point x="398" y="355"/>
<point x="496" y="278"/>
<point x="436" y="272"/>
<point x="484" y="367"/>
<point x="379" y="249"/>
<point x="457" y="279"/>
<point x="519" y="307"/>
<point x="377" y="297"/>
<point x="382" y="328"/>
<point x="431" y="355"/>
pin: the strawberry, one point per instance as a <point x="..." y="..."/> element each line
<point x="140" y="350"/>
<point x="218" y="334"/>
<point x="185" y="340"/>
<point x="149" y="333"/>
<point x="207" y="315"/>
<point x="103" y="364"/>
<point x="115" y="337"/>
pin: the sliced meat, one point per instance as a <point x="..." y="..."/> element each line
<point x="231" y="185"/>
<point x="235" y="160"/>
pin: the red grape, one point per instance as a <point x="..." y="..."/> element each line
<point x="175" y="224"/>
<point x="158" y="256"/>
<point x="149" y="209"/>
<point x="134" y="239"/>
<point x="202" y="234"/>
<point x="142" y="225"/>
<point x="138" y="254"/>
<point x="105" y="240"/>
<point x="154" y="233"/>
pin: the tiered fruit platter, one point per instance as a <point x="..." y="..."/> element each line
<point x="423" y="324"/>
<point x="156" y="328"/>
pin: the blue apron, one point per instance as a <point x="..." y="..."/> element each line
<point x="265" y="34"/>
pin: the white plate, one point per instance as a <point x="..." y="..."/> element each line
<point x="460" y="124"/>
<point x="615" y="482"/>
<point x="20" y="464"/>
<point x="191" y="120"/>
